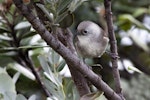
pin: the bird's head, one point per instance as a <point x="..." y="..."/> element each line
<point x="88" y="28"/>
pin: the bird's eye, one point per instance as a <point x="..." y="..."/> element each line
<point x="84" y="32"/>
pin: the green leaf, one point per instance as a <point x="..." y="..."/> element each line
<point x="4" y="44"/>
<point x="6" y="84"/>
<point x="69" y="90"/>
<point x="22" y="31"/>
<point x="127" y="17"/>
<point x="92" y="96"/>
<point x="75" y="4"/>
<point x="3" y="29"/>
<point x="29" y="34"/>
<point x="9" y="95"/>
<point x="16" y="77"/>
<point x="5" y="60"/>
<point x="1" y="96"/>
<point x="134" y="69"/>
<point x="3" y="70"/>
<point x="33" y="97"/>
<point x="61" y="65"/>
<point x="54" y="57"/>
<point x="56" y="91"/>
<point x="67" y="21"/>
<point x="12" y="49"/>
<point x="44" y="64"/>
<point x="20" y="97"/>
<point x="47" y="71"/>
<point x="6" y="38"/>
<point x="31" y="47"/>
<point x="22" y="70"/>
<point x="75" y="94"/>
<point x="138" y="41"/>
<point x="139" y="12"/>
<point x="22" y="25"/>
<point x="63" y="5"/>
<point x="9" y="54"/>
<point x="7" y="49"/>
<point x="48" y="15"/>
<point x="18" y="19"/>
<point x="26" y="41"/>
<point x="52" y="78"/>
<point x="61" y="17"/>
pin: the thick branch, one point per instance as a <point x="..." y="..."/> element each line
<point x="113" y="47"/>
<point x="70" y="58"/>
<point x="65" y="36"/>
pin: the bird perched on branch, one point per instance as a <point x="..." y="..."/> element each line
<point x="90" y="40"/>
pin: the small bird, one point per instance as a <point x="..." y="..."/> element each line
<point x="90" y="40"/>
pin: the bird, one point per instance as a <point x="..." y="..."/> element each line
<point x="90" y="40"/>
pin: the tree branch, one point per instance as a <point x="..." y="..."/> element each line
<point x="22" y="56"/>
<point x="65" y="36"/>
<point x="29" y="64"/>
<point x="71" y="59"/>
<point x="113" y="44"/>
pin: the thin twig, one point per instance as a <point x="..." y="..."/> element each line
<point x="32" y="67"/>
<point x="113" y="44"/>
<point x="23" y="58"/>
<point x="28" y="63"/>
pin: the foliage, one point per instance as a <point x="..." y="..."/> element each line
<point x="136" y="87"/>
<point x="18" y="41"/>
<point x="20" y="44"/>
<point x="59" y="86"/>
<point x="59" y="12"/>
<point x="8" y="88"/>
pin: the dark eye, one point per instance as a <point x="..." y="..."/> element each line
<point x="84" y="32"/>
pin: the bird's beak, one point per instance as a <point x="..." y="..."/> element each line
<point x="76" y="34"/>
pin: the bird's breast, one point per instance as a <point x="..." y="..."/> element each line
<point x="89" y="48"/>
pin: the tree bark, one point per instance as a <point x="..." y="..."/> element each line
<point x="113" y="47"/>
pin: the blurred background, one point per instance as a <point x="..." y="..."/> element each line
<point x="132" y="29"/>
